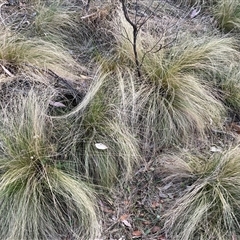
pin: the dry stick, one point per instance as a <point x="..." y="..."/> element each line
<point x="145" y="14"/>
<point x="137" y="25"/>
<point x="135" y="34"/>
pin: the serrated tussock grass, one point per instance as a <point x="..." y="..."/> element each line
<point x="101" y="118"/>
<point x="21" y="53"/>
<point x="209" y="208"/>
<point x="227" y="14"/>
<point x="55" y="22"/>
<point x="181" y="98"/>
<point x="229" y="88"/>
<point x="40" y="197"/>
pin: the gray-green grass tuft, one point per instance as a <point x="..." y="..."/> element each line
<point x="19" y="52"/>
<point x="209" y="209"/>
<point x="227" y="14"/>
<point x="55" y="22"/>
<point x="40" y="198"/>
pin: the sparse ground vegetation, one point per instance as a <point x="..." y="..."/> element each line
<point x="119" y="120"/>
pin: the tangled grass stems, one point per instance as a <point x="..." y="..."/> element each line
<point x="227" y="14"/>
<point x="40" y="198"/>
<point x="101" y="118"/>
<point x="177" y="115"/>
<point x="55" y="22"/>
<point x="209" y="209"/>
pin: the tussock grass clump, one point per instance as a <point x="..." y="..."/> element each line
<point x="227" y="14"/>
<point x="18" y="52"/>
<point x="230" y="87"/>
<point x="179" y="82"/>
<point x="209" y="209"/>
<point x="40" y="198"/>
<point x="178" y="114"/>
<point x="55" y="22"/>
<point x="101" y="118"/>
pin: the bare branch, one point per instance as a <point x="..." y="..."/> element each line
<point x="160" y="47"/>
<point x="137" y="23"/>
<point x="126" y="37"/>
<point x="135" y="33"/>
<point x="125" y="11"/>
